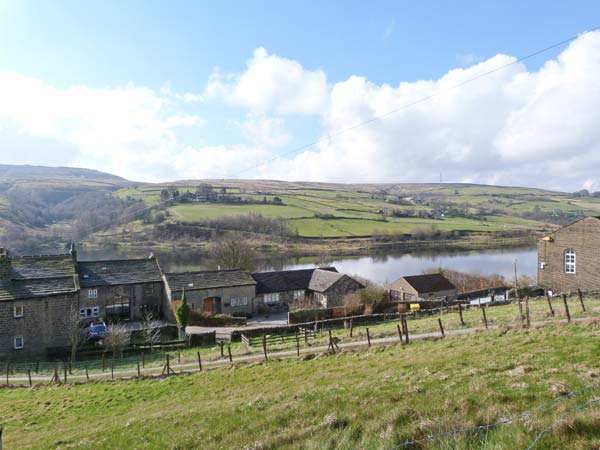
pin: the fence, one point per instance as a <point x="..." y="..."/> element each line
<point x="302" y="333"/>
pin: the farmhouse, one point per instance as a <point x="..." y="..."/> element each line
<point x="213" y="291"/>
<point x="275" y="291"/>
<point x="37" y="294"/>
<point x="422" y="287"/>
<point x="568" y="258"/>
<point x="120" y="289"/>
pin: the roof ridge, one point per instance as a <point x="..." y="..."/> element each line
<point x="153" y="258"/>
<point x="207" y="271"/>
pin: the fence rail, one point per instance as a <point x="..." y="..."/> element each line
<point x="302" y="333"/>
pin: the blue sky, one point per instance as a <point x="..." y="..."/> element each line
<point x="174" y="48"/>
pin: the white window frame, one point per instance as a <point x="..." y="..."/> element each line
<point x="299" y="295"/>
<point x="241" y="301"/>
<point x="570" y="261"/>
<point x="321" y="298"/>
<point x="96" y="311"/>
<point x="93" y="293"/>
<point x="86" y="313"/>
<point x="82" y="313"/>
<point x="18" y="311"/>
<point x="22" y="340"/>
<point x="272" y="297"/>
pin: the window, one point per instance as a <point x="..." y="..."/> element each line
<point x="85" y="313"/>
<point x="93" y="293"/>
<point x="243" y="301"/>
<point x="298" y="295"/>
<point x="19" y="342"/>
<point x="321" y="298"/>
<point x="570" y="261"/>
<point x="18" y="311"/>
<point x="272" y="298"/>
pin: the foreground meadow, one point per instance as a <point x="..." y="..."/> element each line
<point x="372" y="399"/>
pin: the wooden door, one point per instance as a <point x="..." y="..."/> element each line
<point x="208" y="306"/>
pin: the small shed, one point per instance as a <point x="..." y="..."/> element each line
<point x="417" y="288"/>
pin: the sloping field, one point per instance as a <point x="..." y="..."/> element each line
<point x="373" y="399"/>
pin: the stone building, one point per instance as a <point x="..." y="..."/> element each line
<point x="120" y="289"/>
<point x="275" y="291"/>
<point x="37" y="295"/>
<point x="213" y="291"/>
<point x="569" y="258"/>
<point x="426" y="287"/>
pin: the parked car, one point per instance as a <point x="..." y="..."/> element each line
<point x="96" y="331"/>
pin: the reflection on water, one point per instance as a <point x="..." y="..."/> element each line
<point x="382" y="268"/>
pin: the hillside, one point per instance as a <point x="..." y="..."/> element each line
<point x="372" y="399"/>
<point x="46" y="202"/>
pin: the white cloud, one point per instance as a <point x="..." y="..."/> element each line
<point x="513" y="126"/>
<point x="271" y="83"/>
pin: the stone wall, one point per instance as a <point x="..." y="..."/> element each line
<point x="336" y="293"/>
<point x="140" y="296"/>
<point x="285" y="298"/>
<point x="42" y="324"/>
<point x="583" y="237"/>
<point x="223" y="296"/>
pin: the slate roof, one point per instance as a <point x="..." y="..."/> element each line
<point x="323" y="280"/>
<point x="286" y="280"/>
<point x="209" y="279"/>
<point x="33" y="288"/>
<point x="432" y="282"/>
<point x="42" y="267"/>
<point x="118" y="272"/>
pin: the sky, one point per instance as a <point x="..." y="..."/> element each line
<point x="318" y="91"/>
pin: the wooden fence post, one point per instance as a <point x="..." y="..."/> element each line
<point x="441" y="327"/>
<point x="406" y="330"/>
<point x="138" y="368"/>
<point x="368" y="338"/>
<point x="484" y="317"/>
<point x="399" y="332"/>
<point x="87" y="374"/>
<point x="351" y="329"/>
<point x="143" y="361"/>
<point x="460" y="313"/>
<point x="65" y="370"/>
<point x="265" y="346"/>
<point x="527" y="318"/>
<point x="29" y="375"/>
<point x="222" y="353"/>
<point x="112" y="368"/>
<point x="306" y="336"/>
<point x="549" y="303"/>
<point x="330" y="346"/>
<point x="297" y="343"/>
<point x="229" y="352"/>
<point x="178" y="356"/>
<point x="103" y="362"/>
<point x="581" y="299"/>
<point x="564" y="296"/>
<point x="199" y="362"/>
<point x="521" y="311"/>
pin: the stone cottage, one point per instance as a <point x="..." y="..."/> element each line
<point x="213" y="291"/>
<point x="426" y="287"/>
<point x="37" y="295"/>
<point x="569" y="258"/>
<point x="120" y="289"/>
<point x="275" y="291"/>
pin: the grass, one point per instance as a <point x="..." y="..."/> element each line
<point x="369" y="399"/>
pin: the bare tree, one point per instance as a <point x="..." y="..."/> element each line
<point x="116" y="338"/>
<point x="233" y="252"/>
<point x="151" y="330"/>
<point x="73" y="330"/>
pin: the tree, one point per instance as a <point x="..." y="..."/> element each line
<point x="182" y="313"/>
<point x="116" y="338"/>
<point x="151" y="330"/>
<point x="233" y="252"/>
<point x="73" y="330"/>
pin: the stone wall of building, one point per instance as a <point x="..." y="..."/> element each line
<point x="141" y="297"/>
<point x="336" y="293"/>
<point x="285" y="299"/>
<point x="583" y="237"/>
<point x="222" y="298"/>
<point x="42" y="325"/>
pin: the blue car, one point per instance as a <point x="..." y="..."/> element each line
<point x="96" y="331"/>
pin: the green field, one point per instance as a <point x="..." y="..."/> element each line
<point x="372" y="399"/>
<point x="334" y="210"/>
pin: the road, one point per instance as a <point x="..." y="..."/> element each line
<point x="284" y="354"/>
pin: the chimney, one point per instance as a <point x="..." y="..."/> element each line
<point x="5" y="266"/>
<point x="73" y="252"/>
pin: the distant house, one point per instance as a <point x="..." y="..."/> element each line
<point x="37" y="294"/>
<point x="213" y="291"/>
<point x="120" y="289"/>
<point x="275" y="291"/>
<point x="422" y="287"/>
<point x="568" y="258"/>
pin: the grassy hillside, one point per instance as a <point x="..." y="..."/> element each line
<point x="366" y="399"/>
<point x="346" y="210"/>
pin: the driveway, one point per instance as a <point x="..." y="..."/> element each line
<point x="257" y="321"/>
